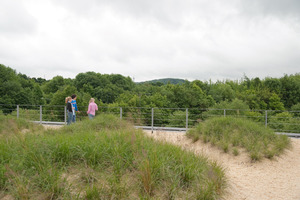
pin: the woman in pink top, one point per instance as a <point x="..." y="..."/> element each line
<point x="92" y="108"/>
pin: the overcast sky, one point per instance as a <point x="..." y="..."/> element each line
<point x="151" y="39"/>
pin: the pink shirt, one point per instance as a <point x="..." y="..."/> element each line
<point x="92" y="108"/>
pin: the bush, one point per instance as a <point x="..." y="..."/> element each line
<point x="296" y="109"/>
<point x="235" y="108"/>
<point x="284" y="122"/>
<point x="178" y="119"/>
<point x="28" y="114"/>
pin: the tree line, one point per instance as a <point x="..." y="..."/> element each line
<point x="120" y="91"/>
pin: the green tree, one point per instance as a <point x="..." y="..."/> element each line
<point x="221" y="92"/>
<point x="108" y="94"/>
<point x="90" y="78"/>
<point x="188" y="95"/>
<point x="273" y="84"/>
<point x="38" y="96"/>
<point x="120" y="81"/>
<point x="275" y="103"/>
<point x="127" y="99"/>
<point x="6" y="74"/>
<point x="87" y="88"/>
<point x="256" y="83"/>
<point x="296" y="109"/>
<point x="252" y="99"/>
<point x="290" y="89"/>
<point x="53" y="85"/>
<point x="40" y="81"/>
<point x="60" y="95"/>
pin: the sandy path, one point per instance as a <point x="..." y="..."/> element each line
<point x="277" y="179"/>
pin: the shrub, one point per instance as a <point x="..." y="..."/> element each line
<point x="284" y="122"/>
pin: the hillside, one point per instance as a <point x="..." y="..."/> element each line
<point x="165" y="81"/>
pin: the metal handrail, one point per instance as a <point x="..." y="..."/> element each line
<point x="157" y="117"/>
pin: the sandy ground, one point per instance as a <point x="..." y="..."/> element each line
<point x="52" y="126"/>
<point x="277" y="179"/>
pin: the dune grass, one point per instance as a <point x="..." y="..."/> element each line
<point x="229" y="133"/>
<point x="105" y="158"/>
<point x="11" y="125"/>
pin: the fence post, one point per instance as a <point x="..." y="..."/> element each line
<point x="18" y="112"/>
<point x="41" y="113"/>
<point x="266" y="119"/>
<point x="120" y="112"/>
<point x="65" y="114"/>
<point x="152" y="120"/>
<point x="187" y="119"/>
<point x="224" y="112"/>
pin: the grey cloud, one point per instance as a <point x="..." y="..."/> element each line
<point x="134" y="9"/>
<point x="168" y="13"/>
<point x="173" y="13"/>
<point x="15" y="20"/>
<point x="79" y="7"/>
<point x="287" y="8"/>
<point x="192" y="39"/>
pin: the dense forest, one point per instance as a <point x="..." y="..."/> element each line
<point x="114" y="89"/>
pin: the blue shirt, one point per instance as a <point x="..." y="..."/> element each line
<point x="74" y="104"/>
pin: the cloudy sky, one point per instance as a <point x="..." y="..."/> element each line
<point x="151" y="39"/>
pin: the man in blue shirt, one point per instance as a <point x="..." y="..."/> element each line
<point x="74" y="106"/>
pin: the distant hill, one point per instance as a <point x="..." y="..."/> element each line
<point x="165" y="81"/>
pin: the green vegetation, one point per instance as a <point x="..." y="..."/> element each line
<point x="10" y="126"/>
<point x="114" y="90"/>
<point x="105" y="158"/>
<point x="229" y="133"/>
<point x="267" y="94"/>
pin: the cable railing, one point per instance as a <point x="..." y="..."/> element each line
<point x="159" y="118"/>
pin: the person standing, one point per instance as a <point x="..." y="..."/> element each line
<point x="92" y="108"/>
<point x="69" y="110"/>
<point x="74" y="106"/>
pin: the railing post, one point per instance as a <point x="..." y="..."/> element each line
<point x="152" y="120"/>
<point x="187" y="119"/>
<point x="18" y="112"/>
<point x="224" y="112"/>
<point x="65" y="111"/>
<point x="266" y="119"/>
<point x="121" y="111"/>
<point x="41" y="114"/>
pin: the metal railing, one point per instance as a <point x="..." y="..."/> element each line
<point x="159" y="118"/>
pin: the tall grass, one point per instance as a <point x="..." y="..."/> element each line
<point x="229" y="133"/>
<point x="104" y="158"/>
<point x="11" y="125"/>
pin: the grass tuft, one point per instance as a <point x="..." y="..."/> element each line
<point x="235" y="151"/>
<point x="229" y="133"/>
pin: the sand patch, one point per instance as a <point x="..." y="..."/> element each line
<point x="52" y="126"/>
<point x="277" y="179"/>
